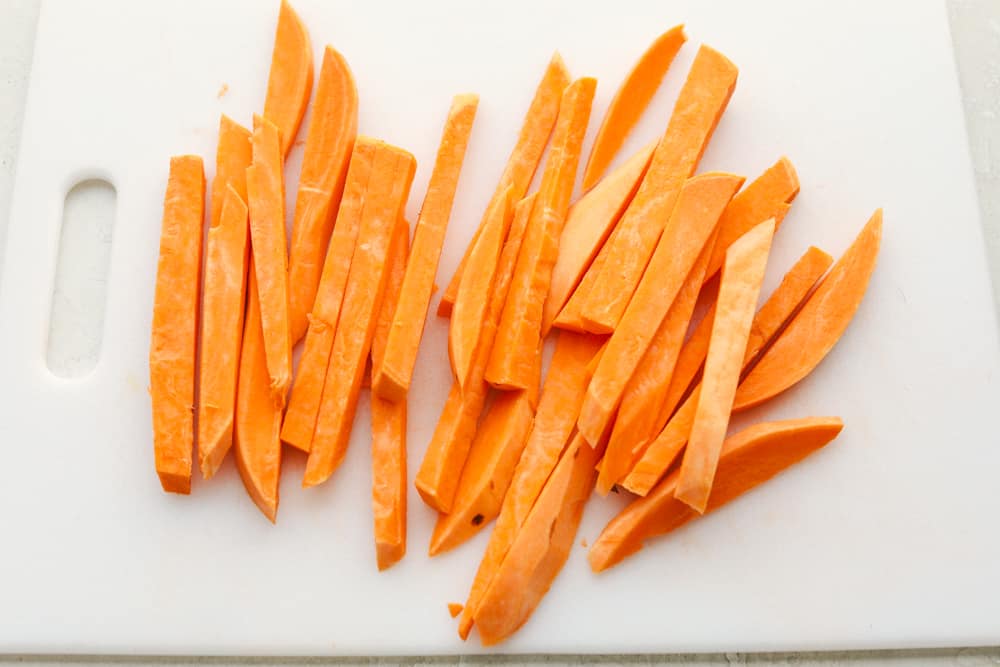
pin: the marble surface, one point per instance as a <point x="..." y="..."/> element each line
<point x="976" y="29"/>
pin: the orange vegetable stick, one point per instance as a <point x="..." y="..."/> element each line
<point x="570" y="318"/>
<point x="766" y="197"/>
<point x="692" y="223"/>
<point x="174" y="338"/>
<point x="223" y="301"/>
<point x="440" y="471"/>
<point x="497" y="446"/>
<point x="391" y="377"/>
<point x="562" y="393"/>
<point x="519" y="333"/>
<point x="792" y="291"/>
<point x="389" y="426"/>
<point x="588" y="224"/>
<point x="290" y="80"/>
<point x="701" y="103"/>
<point x="653" y="459"/>
<point x="474" y="290"/>
<point x="256" y="438"/>
<point x="630" y="101"/>
<point x="646" y="388"/>
<point x="266" y="200"/>
<point x="333" y="128"/>
<point x="523" y="160"/>
<point x="742" y="276"/>
<point x="820" y="324"/>
<point x="541" y="546"/>
<point x="748" y="459"/>
<point x="303" y="405"/>
<point x="232" y="157"/>
<point x="392" y="175"/>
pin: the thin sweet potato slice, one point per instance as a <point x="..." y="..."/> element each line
<point x="749" y="458"/>
<point x="391" y="377"/>
<point x="739" y="289"/>
<point x="232" y="157"/>
<point x="630" y="101"/>
<point x="699" y="106"/>
<point x="689" y="229"/>
<point x="333" y="127"/>
<point x="174" y="338"/>
<point x="290" y="79"/>
<point x="524" y="159"/>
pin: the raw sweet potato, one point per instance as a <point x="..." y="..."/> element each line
<point x="290" y="79"/>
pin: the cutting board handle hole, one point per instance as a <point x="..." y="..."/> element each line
<point x="79" y="298"/>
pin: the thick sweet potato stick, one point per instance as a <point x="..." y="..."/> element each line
<point x="749" y="458"/>
<point x="739" y="289"/>
<point x="266" y="201"/>
<point x="333" y="127"/>
<point x="391" y="377"/>
<point x="290" y="80"/>
<point x="524" y="159"/>
<point x="699" y="106"/>
<point x="388" y="188"/>
<point x="174" y="338"/>
<point x="303" y="405"/>
<point x="630" y="101"/>
<point x="475" y="288"/>
<point x="646" y="388"/>
<point x="223" y="303"/>
<point x="541" y="546"/>
<point x="570" y="318"/>
<point x="232" y="157"/>
<point x="558" y="406"/>
<point x="766" y="197"/>
<point x="588" y="224"/>
<point x="438" y="477"/>
<point x="820" y="324"/>
<point x="257" y="442"/>
<point x="520" y="328"/>
<point x="780" y="306"/>
<point x="690" y="227"/>
<point x="653" y="459"/>
<point x="389" y="426"/>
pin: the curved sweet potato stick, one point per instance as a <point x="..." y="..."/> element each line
<point x="232" y="157"/>
<point x="290" y="79"/>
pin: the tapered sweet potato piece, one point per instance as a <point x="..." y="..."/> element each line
<point x="739" y="289"/>
<point x="645" y="390"/>
<point x="389" y="426"/>
<point x="303" y="406"/>
<point x="766" y="197"/>
<point x="266" y="201"/>
<point x="174" y="339"/>
<point x="570" y="318"/>
<point x="391" y="377"/>
<point x="782" y="303"/>
<point x="520" y="327"/>
<point x="232" y="157"/>
<point x="690" y="227"/>
<point x="541" y="546"/>
<point x="523" y="160"/>
<point x="290" y="80"/>
<point x="588" y="224"/>
<point x="392" y="175"/>
<point x="652" y="461"/>
<point x="558" y="406"/>
<point x="257" y="442"/>
<point x="630" y="101"/>
<point x="438" y="477"/>
<point x="223" y="303"/>
<point x="699" y="106"/>
<point x="333" y="127"/>
<point x="749" y="458"/>
<point x="819" y="325"/>
<point x="475" y="288"/>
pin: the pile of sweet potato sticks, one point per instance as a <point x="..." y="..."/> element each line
<point x="639" y="392"/>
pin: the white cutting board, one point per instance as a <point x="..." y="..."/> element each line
<point x="887" y="538"/>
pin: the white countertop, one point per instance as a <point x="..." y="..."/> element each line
<point x="976" y="27"/>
